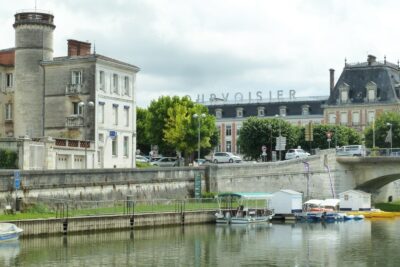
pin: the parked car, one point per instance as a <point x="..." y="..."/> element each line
<point x="165" y="162"/>
<point x="140" y="158"/>
<point x="224" y="157"/>
<point x="296" y="153"/>
<point x="200" y="161"/>
<point x="351" y="150"/>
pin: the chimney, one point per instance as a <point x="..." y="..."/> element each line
<point x="371" y="59"/>
<point x="78" y="48"/>
<point x="332" y="79"/>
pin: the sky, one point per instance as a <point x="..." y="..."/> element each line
<point x="223" y="47"/>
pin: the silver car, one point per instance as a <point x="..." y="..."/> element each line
<point x="225" y="157"/>
<point x="296" y="153"/>
<point x="165" y="162"/>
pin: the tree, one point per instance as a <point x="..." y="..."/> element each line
<point x="256" y="133"/>
<point x="340" y="136"/>
<point x="142" y="139"/>
<point x="381" y="131"/>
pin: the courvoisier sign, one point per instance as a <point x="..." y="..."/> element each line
<point x="250" y="97"/>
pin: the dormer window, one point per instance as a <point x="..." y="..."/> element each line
<point x="344" y="92"/>
<point x="239" y="112"/>
<point x="371" y="91"/>
<point x="305" y="110"/>
<point x="218" y="113"/>
<point x="261" y="111"/>
<point x="282" y="111"/>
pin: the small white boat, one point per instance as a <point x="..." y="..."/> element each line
<point x="359" y="217"/>
<point x="9" y="231"/>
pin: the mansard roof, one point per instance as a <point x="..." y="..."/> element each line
<point x="384" y="74"/>
<point x="293" y="108"/>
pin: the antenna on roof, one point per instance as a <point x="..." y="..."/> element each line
<point x="345" y="62"/>
<point x="384" y="59"/>
<point x="94" y="47"/>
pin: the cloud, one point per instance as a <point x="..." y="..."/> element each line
<point x="192" y="46"/>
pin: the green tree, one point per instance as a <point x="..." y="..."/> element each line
<point x="182" y="128"/>
<point x="381" y="130"/>
<point x="8" y="159"/>
<point x="257" y="132"/>
<point x="340" y="136"/>
<point x="142" y="139"/>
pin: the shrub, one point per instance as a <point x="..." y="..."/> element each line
<point x="8" y="159"/>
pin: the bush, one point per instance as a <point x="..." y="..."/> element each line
<point x="8" y="159"/>
<point x="208" y="195"/>
<point x="142" y="165"/>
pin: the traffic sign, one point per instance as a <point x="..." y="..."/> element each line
<point x="280" y="143"/>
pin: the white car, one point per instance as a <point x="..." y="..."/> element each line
<point x="225" y="157"/>
<point x="351" y="150"/>
<point x="296" y="153"/>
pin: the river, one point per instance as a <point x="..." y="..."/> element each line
<point x="350" y="243"/>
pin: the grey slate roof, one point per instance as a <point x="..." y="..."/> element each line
<point x="384" y="74"/>
<point x="293" y="108"/>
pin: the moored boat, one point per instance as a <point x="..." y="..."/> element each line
<point x="9" y="231"/>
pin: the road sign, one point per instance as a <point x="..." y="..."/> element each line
<point x="309" y="135"/>
<point x="17" y="181"/>
<point x="280" y="143"/>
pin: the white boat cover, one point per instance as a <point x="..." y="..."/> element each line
<point x="316" y="202"/>
<point x="332" y="202"/>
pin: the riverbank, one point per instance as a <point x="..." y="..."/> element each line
<point x="54" y="226"/>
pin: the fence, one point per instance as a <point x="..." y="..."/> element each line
<point x="63" y="208"/>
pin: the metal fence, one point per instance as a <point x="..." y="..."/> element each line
<point x="64" y="208"/>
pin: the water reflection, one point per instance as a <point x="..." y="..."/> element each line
<point x="8" y="252"/>
<point x="353" y="243"/>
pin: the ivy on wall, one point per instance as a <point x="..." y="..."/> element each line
<point x="8" y="159"/>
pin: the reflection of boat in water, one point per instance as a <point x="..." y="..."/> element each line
<point x="251" y="208"/>
<point x="9" y="231"/>
<point x="8" y="252"/>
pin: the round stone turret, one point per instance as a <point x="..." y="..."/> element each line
<point x="33" y="44"/>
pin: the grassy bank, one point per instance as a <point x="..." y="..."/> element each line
<point x="392" y="206"/>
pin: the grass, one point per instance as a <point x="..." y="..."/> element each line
<point x="392" y="206"/>
<point x="41" y="211"/>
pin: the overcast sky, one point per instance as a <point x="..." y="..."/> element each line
<point x="190" y="47"/>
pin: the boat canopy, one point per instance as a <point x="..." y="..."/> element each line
<point x="316" y="202"/>
<point x="257" y="195"/>
<point x="333" y="202"/>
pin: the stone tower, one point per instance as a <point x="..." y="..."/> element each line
<point x="33" y="44"/>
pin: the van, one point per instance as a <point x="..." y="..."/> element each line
<point x="351" y="150"/>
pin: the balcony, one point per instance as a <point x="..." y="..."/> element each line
<point x="73" y="89"/>
<point x="74" y="121"/>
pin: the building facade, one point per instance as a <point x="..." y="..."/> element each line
<point x="363" y="92"/>
<point x="85" y="101"/>
<point x="230" y="116"/>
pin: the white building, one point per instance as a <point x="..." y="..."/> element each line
<point x="287" y="201"/>
<point x="355" y="200"/>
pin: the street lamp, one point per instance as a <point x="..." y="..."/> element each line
<point x="198" y="117"/>
<point x="280" y="137"/>
<point x="373" y="132"/>
<point x="270" y="138"/>
<point x="389" y="137"/>
<point x="84" y="107"/>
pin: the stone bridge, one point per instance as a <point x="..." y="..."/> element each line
<point x="319" y="176"/>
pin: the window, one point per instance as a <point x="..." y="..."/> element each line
<point x="218" y="113"/>
<point x="115" y="114"/>
<point x="114" y="146"/>
<point x="228" y="130"/>
<point x="282" y="110"/>
<point x="126" y="115"/>
<point x="100" y="111"/>
<point x="344" y="92"/>
<point x="78" y="110"/>
<point x="126" y="146"/>
<point x="239" y="112"/>
<point x="9" y="80"/>
<point x="371" y="91"/>
<point x="237" y="131"/>
<point x="343" y="118"/>
<point x="126" y="85"/>
<point x="115" y="83"/>
<point x="228" y="146"/>
<point x="261" y="111"/>
<point x="356" y="118"/>
<point x="76" y="77"/>
<point x="101" y="137"/>
<point x="305" y="110"/>
<point x="371" y="117"/>
<point x="8" y="111"/>
<point x="332" y="118"/>
<point x="102" y="80"/>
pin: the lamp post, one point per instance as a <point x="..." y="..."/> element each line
<point x="280" y="137"/>
<point x="198" y="117"/>
<point x="373" y="132"/>
<point x="270" y="138"/>
<point x="389" y="137"/>
<point x="84" y="107"/>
